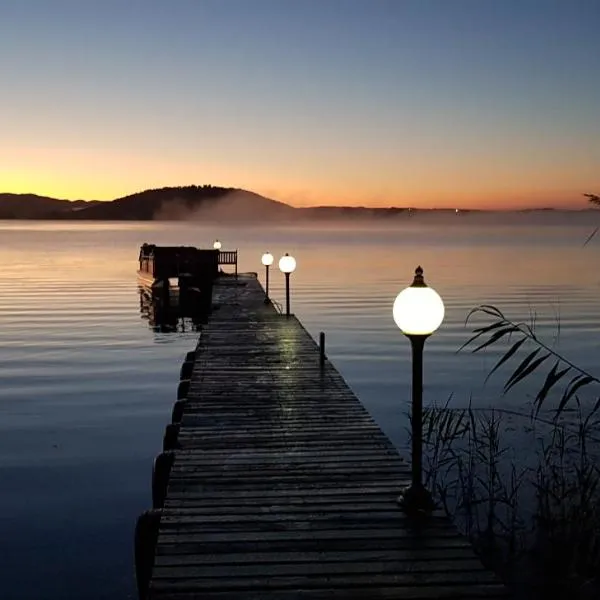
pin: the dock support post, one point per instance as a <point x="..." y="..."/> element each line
<point x="165" y="293"/>
<point x="183" y="388"/>
<point x="146" y="536"/>
<point x="186" y="370"/>
<point x="177" y="413"/>
<point x="170" y="440"/>
<point x="321" y="349"/>
<point x="160" y="477"/>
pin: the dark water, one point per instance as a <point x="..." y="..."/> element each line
<point x="86" y="386"/>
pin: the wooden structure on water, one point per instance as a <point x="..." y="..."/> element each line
<point x="190" y="265"/>
<point x="276" y="484"/>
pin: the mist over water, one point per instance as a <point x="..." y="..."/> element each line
<point x="239" y="206"/>
<point x="87" y="386"/>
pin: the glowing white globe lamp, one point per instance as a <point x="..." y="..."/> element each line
<point x="217" y="245"/>
<point x="267" y="261"/>
<point x="287" y="265"/>
<point x="418" y="311"/>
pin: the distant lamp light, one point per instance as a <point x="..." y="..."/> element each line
<point x="217" y="245"/>
<point x="418" y="311"/>
<point x="287" y="265"/>
<point x="267" y="261"/>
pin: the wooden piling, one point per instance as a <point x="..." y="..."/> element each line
<point x="160" y="477"/>
<point x="321" y="349"/>
<point x="170" y="439"/>
<point x="186" y="370"/>
<point x="182" y="389"/>
<point x="177" y="412"/>
<point x="146" y="534"/>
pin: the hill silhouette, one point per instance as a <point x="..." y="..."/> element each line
<point x="32" y="206"/>
<point x="213" y="203"/>
<point x="191" y="202"/>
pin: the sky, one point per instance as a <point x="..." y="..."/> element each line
<point x="424" y="103"/>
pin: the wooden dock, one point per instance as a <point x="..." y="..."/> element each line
<point x="278" y="485"/>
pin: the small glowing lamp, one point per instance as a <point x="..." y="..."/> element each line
<point x="287" y="264"/>
<point x="267" y="259"/>
<point x="418" y="309"/>
<point x="217" y="245"/>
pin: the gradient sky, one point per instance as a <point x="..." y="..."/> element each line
<point x="469" y="103"/>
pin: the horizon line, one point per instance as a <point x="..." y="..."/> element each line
<point x="457" y="209"/>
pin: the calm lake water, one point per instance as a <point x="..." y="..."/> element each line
<point x="87" y="387"/>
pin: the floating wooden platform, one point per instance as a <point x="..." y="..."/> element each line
<point x="282" y="486"/>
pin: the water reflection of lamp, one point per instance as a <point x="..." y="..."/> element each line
<point x="418" y="311"/>
<point x="267" y="260"/>
<point x="287" y="265"/>
<point x="217" y="245"/>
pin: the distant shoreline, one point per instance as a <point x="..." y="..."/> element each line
<point x="207" y="203"/>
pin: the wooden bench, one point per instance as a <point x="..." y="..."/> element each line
<point x="229" y="257"/>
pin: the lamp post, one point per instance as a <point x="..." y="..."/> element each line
<point x="287" y="265"/>
<point x="217" y="245"/>
<point x="267" y="260"/>
<point x="418" y="311"/>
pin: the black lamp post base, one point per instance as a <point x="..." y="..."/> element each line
<point x="267" y="301"/>
<point x="416" y="501"/>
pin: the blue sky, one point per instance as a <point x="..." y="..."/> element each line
<point x="428" y="102"/>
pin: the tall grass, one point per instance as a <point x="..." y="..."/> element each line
<point x="535" y="519"/>
<point x="536" y="524"/>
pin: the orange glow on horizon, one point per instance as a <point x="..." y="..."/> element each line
<point x="106" y="175"/>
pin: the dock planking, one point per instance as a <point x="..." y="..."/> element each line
<point x="283" y="487"/>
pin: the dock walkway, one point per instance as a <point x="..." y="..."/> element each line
<point x="283" y="487"/>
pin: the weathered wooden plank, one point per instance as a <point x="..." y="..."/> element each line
<point x="200" y="507"/>
<point x="211" y="457"/>
<point x="198" y="545"/>
<point x="285" y="471"/>
<point x="466" y="578"/>
<point x="271" y="469"/>
<point x="316" y="519"/>
<point x="278" y="429"/>
<point x="298" y="503"/>
<point x="356" y="567"/>
<point x="305" y="484"/>
<point x="259" y="527"/>
<point x="189" y="535"/>
<point x="351" y="491"/>
<point x="243" y="558"/>
<point x="307" y="441"/>
<point x="363" y="592"/>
